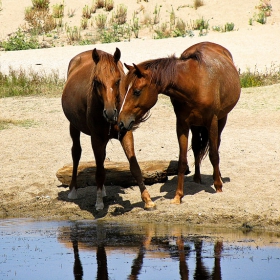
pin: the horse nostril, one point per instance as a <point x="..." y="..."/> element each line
<point x="121" y="126"/>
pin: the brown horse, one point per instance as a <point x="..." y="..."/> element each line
<point x="91" y="100"/>
<point x="203" y="85"/>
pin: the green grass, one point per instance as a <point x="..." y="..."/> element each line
<point x="23" y="83"/>
<point x="6" y="123"/>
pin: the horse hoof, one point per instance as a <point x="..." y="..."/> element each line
<point x="150" y="207"/>
<point x="73" y="194"/>
<point x="175" y="201"/>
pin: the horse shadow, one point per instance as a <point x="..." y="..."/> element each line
<point x="87" y="198"/>
<point x="190" y="187"/>
<point x="87" y="195"/>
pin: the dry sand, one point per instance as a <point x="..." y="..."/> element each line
<point x="30" y="156"/>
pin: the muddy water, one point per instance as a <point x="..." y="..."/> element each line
<point x="96" y="250"/>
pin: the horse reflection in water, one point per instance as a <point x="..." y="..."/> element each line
<point x="154" y="244"/>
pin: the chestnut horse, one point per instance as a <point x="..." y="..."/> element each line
<point x="91" y="99"/>
<point x="203" y="85"/>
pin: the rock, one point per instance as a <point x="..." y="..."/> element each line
<point x="118" y="173"/>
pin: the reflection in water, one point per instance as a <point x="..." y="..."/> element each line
<point x="96" y="250"/>
<point x="149" y="243"/>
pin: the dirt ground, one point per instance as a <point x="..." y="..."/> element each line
<point x="32" y="153"/>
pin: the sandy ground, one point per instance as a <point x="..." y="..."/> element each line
<point x="31" y="155"/>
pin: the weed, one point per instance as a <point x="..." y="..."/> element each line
<point x="6" y="123"/>
<point x="23" y="83"/>
<point x="100" y="4"/>
<point x="172" y="17"/>
<point x="162" y="32"/>
<point x="58" y="11"/>
<point x="86" y="12"/>
<point x="229" y="26"/>
<point x="260" y="17"/>
<point x="73" y="34"/>
<point x="135" y="25"/>
<point x="180" y="28"/>
<point x="71" y="13"/>
<point x="156" y="14"/>
<point x="40" y="21"/>
<point x="265" y="6"/>
<point x="20" y="41"/>
<point x="100" y="21"/>
<point x="41" y="4"/>
<point x="119" y="17"/>
<point x="84" y="23"/>
<point x="109" y="5"/>
<point x="201" y="24"/>
<point x="256" y="79"/>
<point x="197" y="4"/>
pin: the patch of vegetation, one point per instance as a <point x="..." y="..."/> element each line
<point x="6" y="123"/>
<point x="23" y="83"/>
<point x="197" y="4"/>
<point x="257" y="79"/>
<point x="20" y="41"/>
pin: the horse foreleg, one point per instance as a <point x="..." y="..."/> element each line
<point x="214" y="139"/>
<point x="76" y="155"/>
<point x="99" y="150"/>
<point x="128" y="146"/>
<point x="182" y="134"/>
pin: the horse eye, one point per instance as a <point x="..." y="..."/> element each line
<point x="117" y="83"/>
<point x="137" y="92"/>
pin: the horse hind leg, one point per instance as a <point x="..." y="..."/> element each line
<point x="76" y="155"/>
<point x="214" y="139"/>
<point x="199" y="147"/>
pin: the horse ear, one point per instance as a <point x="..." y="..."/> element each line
<point x="138" y="71"/>
<point x="128" y="67"/>
<point x="117" y="55"/>
<point x="95" y="56"/>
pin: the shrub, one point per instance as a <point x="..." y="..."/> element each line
<point x="20" y="41"/>
<point x="58" y="11"/>
<point x="109" y="5"/>
<point x="86" y="12"/>
<point x="201" y="24"/>
<point x="119" y="17"/>
<point x="180" y="28"/>
<point x="41" y="4"/>
<point x="73" y="34"/>
<point x="197" y="3"/>
<point x="100" y="4"/>
<point x="100" y="21"/>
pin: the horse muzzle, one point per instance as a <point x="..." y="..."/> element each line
<point x="124" y="127"/>
<point x="110" y="115"/>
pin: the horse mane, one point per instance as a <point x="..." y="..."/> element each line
<point x="163" y="71"/>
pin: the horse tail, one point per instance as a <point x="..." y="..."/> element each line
<point x="200" y="142"/>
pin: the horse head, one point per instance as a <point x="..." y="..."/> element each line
<point x="140" y="96"/>
<point x="106" y="78"/>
